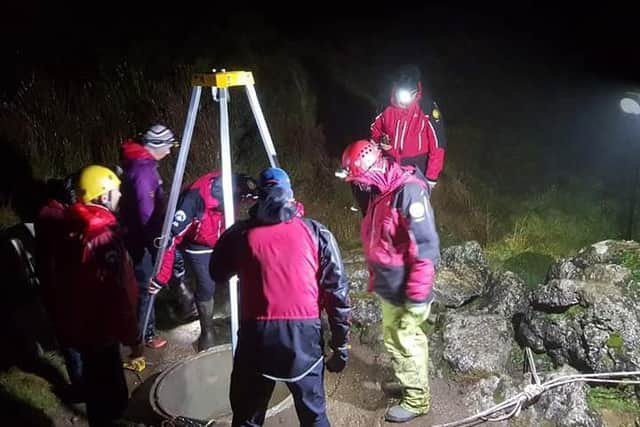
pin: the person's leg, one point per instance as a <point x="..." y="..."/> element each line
<point x="407" y="344"/>
<point x="73" y="362"/>
<point x="249" y="395"/>
<point x="106" y="387"/>
<point x="199" y="263"/>
<point x="309" y="398"/>
<point x="182" y="297"/>
<point x="143" y="269"/>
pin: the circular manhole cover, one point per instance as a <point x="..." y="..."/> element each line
<point x="198" y="388"/>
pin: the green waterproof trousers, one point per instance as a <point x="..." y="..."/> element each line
<point x="408" y="346"/>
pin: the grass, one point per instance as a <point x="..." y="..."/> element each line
<point x="619" y="399"/>
<point x="615" y="341"/>
<point x="29" y="389"/>
<point x="631" y="260"/>
<point x="547" y="226"/>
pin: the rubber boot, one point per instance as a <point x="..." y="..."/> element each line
<point x="205" y="312"/>
<point x="184" y="301"/>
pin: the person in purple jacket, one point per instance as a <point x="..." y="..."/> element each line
<point x="289" y="269"/>
<point x="142" y="211"/>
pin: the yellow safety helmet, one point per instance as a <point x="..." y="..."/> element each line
<point x="96" y="180"/>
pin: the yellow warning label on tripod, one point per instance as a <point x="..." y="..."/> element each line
<point x="234" y="78"/>
<point x="223" y="80"/>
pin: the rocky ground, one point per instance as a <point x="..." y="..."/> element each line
<point x="583" y="318"/>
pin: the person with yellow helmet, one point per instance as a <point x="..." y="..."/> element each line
<point x="90" y="289"/>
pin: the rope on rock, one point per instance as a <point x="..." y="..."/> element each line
<point x="513" y="406"/>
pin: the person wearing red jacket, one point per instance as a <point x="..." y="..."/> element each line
<point x="402" y="250"/>
<point x="90" y="289"/>
<point x="289" y="269"/>
<point x="408" y="134"/>
<point x="196" y="227"/>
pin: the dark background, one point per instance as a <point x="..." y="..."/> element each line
<point x="527" y="74"/>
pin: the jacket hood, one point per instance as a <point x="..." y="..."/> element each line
<point x="275" y="207"/>
<point x="133" y="150"/>
<point x="386" y="175"/>
<point x="89" y="221"/>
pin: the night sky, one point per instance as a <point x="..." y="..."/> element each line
<point x="552" y="72"/>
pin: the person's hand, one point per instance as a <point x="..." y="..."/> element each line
<point x="338" y="360"/>
<point x="384" y="142"/>
<point x="154" y="287"/>
<point x="432" y="185"/>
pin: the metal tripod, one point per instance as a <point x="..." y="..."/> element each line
<point x="219" y="83"/>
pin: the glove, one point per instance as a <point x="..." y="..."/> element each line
<point x="154" y="287"/>
<point x="338" y="360"/>
<point x="384" y="143"/>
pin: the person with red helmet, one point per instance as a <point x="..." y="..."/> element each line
<point x="90" y="289"/>
<point x="402" y="250"/>
<point x="197" y="225"/>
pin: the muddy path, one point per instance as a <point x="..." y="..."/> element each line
<point x="355" y="397"/>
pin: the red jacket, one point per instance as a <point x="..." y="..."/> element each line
<point x="198" y="220"/>
<point x="399" y="236"/>
<point x="88" y="281"/>
<point x="416" y="138"/>
<point x="289" y="269"/>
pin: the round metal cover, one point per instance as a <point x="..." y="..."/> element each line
<point x="198" y="388"/>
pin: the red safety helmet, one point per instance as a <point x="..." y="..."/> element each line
<point x="359" y="157"/>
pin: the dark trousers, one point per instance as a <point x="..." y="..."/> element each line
<point x="143" y="268"/>
<point x="73" y="362"/>
<point x="199" y="263"/>
<point x="106" y="388"/>
<point x="250" y="394"/>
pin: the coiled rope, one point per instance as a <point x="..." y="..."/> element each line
<point x="513" y="406"/>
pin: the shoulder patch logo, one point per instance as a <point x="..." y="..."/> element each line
<point x="180" y="216"/>
<point x="417" y="210"/>
<point x="435" y="114"/>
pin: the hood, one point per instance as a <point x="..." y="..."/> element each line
<point x="89" y="221"/>
<point x="275" y="207"/>
<point x="386" y="175"/>
<point x="132" y="150"/>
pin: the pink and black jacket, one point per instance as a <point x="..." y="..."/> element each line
<point x="399" y="236"/>
<point x="289" y="269"/>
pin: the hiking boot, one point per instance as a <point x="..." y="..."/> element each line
<point x="185" y="307"/>
<point x="155" y="342"/>
<point x="205" y="313"/>
<point x="397" y="414"/>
